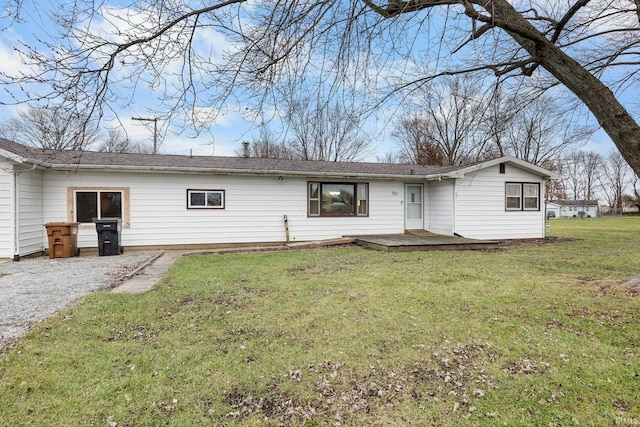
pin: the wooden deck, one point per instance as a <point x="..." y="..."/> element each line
<point x="421" y="241"/>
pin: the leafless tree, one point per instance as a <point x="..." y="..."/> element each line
<point x="118" y="142"/>
<point x="592" y="167"/>
<point x="581" y="173"/>
<point x="447" y="127"/>
<point x="615" y="178"/>
<point x="416" y="142"/>
<point x="389" y="157"/>
<point x="115" y="142"/>
<point x="48" y="128"/>
<point x="634" y="198"/>
<point x="368" y="47"/>
<point x="468" y="122"/>
<point x="554" y="189"/>
<point x="266" y="146"/>
<point x="535" y="130"/>
<point x="324" y="132"/>
<point x="573" y="176"/>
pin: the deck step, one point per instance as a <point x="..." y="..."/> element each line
<point x="410" y="242"/>
<point x="421" y="233"/>
<point x="322" y="243"/>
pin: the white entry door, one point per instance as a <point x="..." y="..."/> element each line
<point x="413" y="207"/>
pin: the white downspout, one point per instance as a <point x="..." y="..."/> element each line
<point x="543" y="199"/>
<point x="44" y="235"/>
<point x="16" y="217"/>
<point x="454" y="213"/>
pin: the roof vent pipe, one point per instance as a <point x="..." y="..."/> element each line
<point x="245" y="149"/>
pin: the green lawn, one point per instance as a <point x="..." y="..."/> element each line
<point x="531" y="335"/>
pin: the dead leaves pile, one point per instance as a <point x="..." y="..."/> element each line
<point x="528" y="366"/>
<point x="456" y="376"/>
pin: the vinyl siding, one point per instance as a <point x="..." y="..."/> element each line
<point x="6" y="210"/>
<point x="254" y="209"/>
<point x="480" y="206"/>
<point x="440" y="207"/>
<point x="573" y="211"/>
<point x="32" y="233"/>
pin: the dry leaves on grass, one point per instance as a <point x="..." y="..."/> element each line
<point x="527" y="366"/>
<point x="345" y="395"/>
<point x="632" y="285"/>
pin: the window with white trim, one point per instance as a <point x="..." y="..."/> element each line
<point x="363" y="199"/>
<point x="522" y="196"/>
<point x="338" y="199"/>
<point x="205" y="199"/>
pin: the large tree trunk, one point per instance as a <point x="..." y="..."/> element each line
<point x="612" y="116"/>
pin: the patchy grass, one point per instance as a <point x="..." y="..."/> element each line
<point x="544" y="334"/>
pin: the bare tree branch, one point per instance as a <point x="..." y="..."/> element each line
<point x="348" y="52"/>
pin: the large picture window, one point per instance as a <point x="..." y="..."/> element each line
<point x="205" y="199"/>
<point x="338" y="199"/>
<point x="92" y="204"/>
<point x="522" y="196"/>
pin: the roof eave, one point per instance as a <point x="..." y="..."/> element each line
<point x="544" y="173"/>
<point x="251" y="172"/>
<point x="23" y="160"/>
<point x="12" y="156"/>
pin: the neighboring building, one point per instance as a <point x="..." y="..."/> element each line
<point x="572" y="209"/>
<point x="201" y="201"/>
<point x="630" y="208"/>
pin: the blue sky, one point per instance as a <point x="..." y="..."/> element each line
<point x="224" y="136"/>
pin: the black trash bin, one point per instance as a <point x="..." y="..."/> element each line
<point x="109" y="236"/>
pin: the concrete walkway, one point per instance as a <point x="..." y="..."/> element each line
<point x="147" y="275"/>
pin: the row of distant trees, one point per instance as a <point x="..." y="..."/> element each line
<point x="52" y="129"/>
<point x="375" y="52"/>
<point x="586" y="175"/>
<point x="458" y="120"/>
<point x="449" y="123"/>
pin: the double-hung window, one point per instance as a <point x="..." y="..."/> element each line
<point x="522" y="196"/>
<point x="338" y="199"/>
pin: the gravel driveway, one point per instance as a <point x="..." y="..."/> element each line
<point x="35" y="288"/>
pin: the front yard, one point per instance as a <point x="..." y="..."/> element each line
<point x="542" y="334"/>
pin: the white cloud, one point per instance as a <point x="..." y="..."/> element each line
<point x="10" y="61"/>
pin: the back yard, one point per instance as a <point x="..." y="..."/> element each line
<point x="543" y="334"/>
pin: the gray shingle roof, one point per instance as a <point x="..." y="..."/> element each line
<point x="575" y="202"/>
<point x="91" y="159"/>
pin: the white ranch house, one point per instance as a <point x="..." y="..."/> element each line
<point x="572" y="209"/>
<point x="203" y="201"/>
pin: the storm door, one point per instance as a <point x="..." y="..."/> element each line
<point x="413" y="207"/>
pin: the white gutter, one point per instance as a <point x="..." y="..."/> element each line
<point x="14" y="157"/>
<point x="252" y="172"/>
